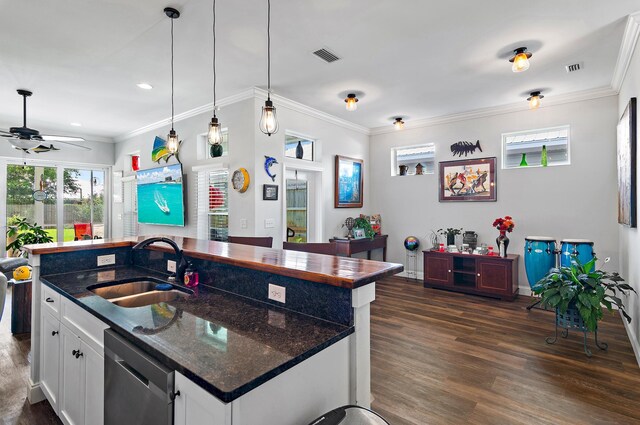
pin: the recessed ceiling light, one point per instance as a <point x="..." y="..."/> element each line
<point x="145" y="86"/>
<point x="76" y="124"/>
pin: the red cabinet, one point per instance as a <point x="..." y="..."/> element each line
<point x="474" y="274"/>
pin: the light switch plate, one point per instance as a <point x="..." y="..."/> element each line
<point x="277" y="293"/>
<point x="106" y="260"/>
<point x="171" y="266"/>
<point x="269" y="223"/>
<point x="244" y="223"/>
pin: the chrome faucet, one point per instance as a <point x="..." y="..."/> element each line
<point x="181" y="263"/>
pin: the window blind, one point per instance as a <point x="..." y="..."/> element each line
<point x="129" y="208"/>
<point x="213" y="204"/>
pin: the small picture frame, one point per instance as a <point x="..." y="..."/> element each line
<point x="359" y="234"/>
<point x="269" y="192"/>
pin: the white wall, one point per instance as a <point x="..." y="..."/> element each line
<point x="575" y="201"/>
<point x="630" y="238"/>
<point x="247" y="148"/>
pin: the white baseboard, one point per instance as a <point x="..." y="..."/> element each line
<point x="34" y="393"/>
<point x="632" y="339"/>
<point x="419" y="275"/>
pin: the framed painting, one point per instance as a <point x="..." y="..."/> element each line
<point x="269" y="192"/>
<point x="348" y="182"/>
<point x="468" y="180"/>
<point x="627" y="139"/>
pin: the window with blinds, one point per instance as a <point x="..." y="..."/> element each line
<point x="528" y="148"/>
<point x="129" y="207"/>
<point x="213" y="204"/>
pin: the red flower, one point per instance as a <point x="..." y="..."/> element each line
<point x="505" y="224"/>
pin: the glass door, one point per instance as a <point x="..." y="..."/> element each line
<point x="297" y="206"/>
<point x="84" y="204"/>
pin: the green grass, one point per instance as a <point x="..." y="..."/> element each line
<point x="69" y="234"/>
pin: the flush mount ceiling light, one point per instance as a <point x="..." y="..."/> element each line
<point x="214" y="135"/>
<point x="352" y="102"/>
<point x="268" y="120"/>
<point x="173" y="144"/>
<point x="144" y="86"/>
<point x="398" y="123"/>
<point x="520" y="59"/>
<point x="534" y="100"/>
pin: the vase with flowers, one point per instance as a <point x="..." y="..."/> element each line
<point x="503" y="225"/>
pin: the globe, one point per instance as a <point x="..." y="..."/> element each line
<point x="411" y="243"/>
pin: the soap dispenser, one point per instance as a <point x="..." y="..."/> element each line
<point x="191" y="278"/>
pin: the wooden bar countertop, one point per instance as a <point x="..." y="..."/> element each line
<point x="332" y="270"/>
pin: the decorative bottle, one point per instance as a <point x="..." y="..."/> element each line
<point x="523" y="161"/>
<point x="543" y="158"/>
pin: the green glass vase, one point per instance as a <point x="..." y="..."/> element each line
<point x="523" y="161"/>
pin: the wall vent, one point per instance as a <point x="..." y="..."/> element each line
<point x="326" y="55"/>
<point x="574" y="67"/>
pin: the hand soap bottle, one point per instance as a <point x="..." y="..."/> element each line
<point x="191" y="278"/>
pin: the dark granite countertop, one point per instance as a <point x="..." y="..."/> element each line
<point x="227" y="344"/>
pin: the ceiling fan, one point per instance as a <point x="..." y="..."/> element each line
<point x="28" y="139"/>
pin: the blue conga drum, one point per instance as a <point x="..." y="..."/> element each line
<point x="539" y="257"/>
<point x="582" y="249"/>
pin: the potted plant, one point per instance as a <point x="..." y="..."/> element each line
<point x="363" y="223"/>
<point x="580" y="291"/>
<point x="450" y="233"/>
<point x="24" y="233"/>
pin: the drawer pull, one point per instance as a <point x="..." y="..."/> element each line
<point x="449" y="271"/>
<point x="478" y="274"/>
<point x="49" y="300"/>
<point x="54" y="333"/>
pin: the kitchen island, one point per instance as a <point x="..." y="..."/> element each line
<point x="239" y="355"/>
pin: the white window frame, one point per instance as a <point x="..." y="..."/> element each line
<point x="317" y="153"/>
<point x="533" y="131"/>
<point x="395" y="172"/>
<point x="203" y="146"/>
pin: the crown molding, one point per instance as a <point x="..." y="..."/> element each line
<point x="244" y="95"/>
<point x="499" y="110"/>
<point x="284" y="102"/>
<point x="628" y="45"/>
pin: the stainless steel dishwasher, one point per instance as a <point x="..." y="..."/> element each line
<point x="138" y="390"/>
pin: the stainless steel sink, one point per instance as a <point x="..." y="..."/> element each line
<point x="138" y="293"/>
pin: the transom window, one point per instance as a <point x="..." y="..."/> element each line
<point x="525" y="148"/>
<point x="409" y="160"/>
<point x="299" y="147"/>
<point x="225" y="143"/>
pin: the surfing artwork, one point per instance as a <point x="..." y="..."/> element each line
<point x="468" y="180"/>
<point x="160" y="151"/>
<point x="160" y="196"/>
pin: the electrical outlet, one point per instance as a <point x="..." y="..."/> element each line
<point x="106" y="260"/>
<point x="277" y="293"/>
<point x="244" y="223"/>
<point x="269" y="223"/>
<point x="171" y="266"/>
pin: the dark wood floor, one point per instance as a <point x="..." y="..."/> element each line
<point x="14" y="375"/>
<point x="445" y="358"/>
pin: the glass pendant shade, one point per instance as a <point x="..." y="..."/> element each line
<point x="172" y="142"/>
<point x="398" y="124"/>
<point x="535" y="100"/>
<point x="268" y="120"/>
<point x="214" y="136"/>
<point x="352" y="102"/>
<point x="520" y="62"/>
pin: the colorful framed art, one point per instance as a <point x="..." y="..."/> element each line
<point x="348" y="182"/>
<point x="468" y="180"/>
<point x="627" y="135"/>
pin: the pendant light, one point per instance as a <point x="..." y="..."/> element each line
<point x="173" y="144"/>
<point x="214" y="135"/>
<point x="268" y="120"/>
<point x="398" y="123"/>
<point x="520" y="59"/>
<point x="534" y="100"/>
<point x="352" y="102"/>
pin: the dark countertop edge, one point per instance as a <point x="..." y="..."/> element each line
<point x="389" y="269"/>
<point x="224" y="396"/>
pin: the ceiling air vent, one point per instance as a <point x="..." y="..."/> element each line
<point x="326" y="55"/>
<point x="574" y="67"/>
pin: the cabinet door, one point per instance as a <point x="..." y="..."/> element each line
<point x="494" y="276"/>
<point x="437" y="269"/>
<point x="71" y="382"/>
<point x="195" y="406"/>
<point x="50" y="358"/>
<point x="93" y="373"/>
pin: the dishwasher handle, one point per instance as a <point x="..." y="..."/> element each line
<point x="140" y="377"/>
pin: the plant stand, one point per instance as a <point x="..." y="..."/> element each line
<point x="411" y="267"/>
<point x="572" y="320"/>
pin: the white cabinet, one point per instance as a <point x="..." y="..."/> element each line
<point x="50" y="377"/>
<point x="72" y="359"/>
<point x="195" y="406"/>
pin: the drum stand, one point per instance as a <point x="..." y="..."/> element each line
<point x="529" y="307"/>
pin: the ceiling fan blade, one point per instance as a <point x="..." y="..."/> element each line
<point x="51" y="138"/>
<point x="71" y="144"/>
<point x="4" y="133"/>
